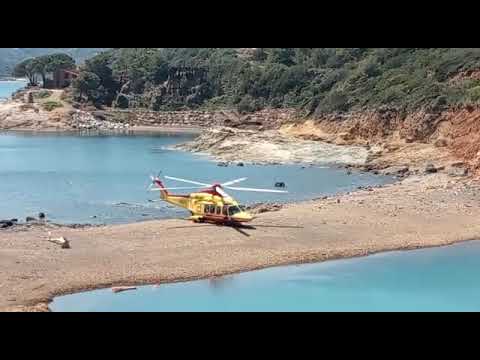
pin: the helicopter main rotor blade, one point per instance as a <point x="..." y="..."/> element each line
<point x="233" y="182"/>
<point x="178" y="188"/>
<point x="256" y="190"/>
<point x="188" y="181"/>
<point x="222" y="192"/>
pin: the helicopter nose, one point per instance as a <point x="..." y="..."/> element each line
<point x="243" y="217"/>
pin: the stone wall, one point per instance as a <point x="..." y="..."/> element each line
<point x="270" y="118"/>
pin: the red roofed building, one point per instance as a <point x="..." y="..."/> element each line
<point x="61" y="78"/>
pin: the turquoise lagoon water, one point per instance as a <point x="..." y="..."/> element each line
<point x="437" y="279"/>
<point x="104" y="178"/>
<point x="9" y="87"/>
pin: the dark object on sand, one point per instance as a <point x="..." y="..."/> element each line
<point x="30" y="219"/>
<point x="222" y="164"/>
<point x="63" y="242"/>
<point x="6" y="224"/>
<point x="279" y="184"/>
<point x="240" y="164"/>
<point x="123" y="288"/>
<point x="430" y="169"/>
<point x="41" y="216"/>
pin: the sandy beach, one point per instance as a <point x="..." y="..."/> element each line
<point x="420" y="211"/>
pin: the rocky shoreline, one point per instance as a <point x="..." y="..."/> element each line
<point x="26" y="111"/>
<point x="232" y="146"/>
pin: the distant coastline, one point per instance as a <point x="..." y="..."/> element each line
<point x="11" y="79"/>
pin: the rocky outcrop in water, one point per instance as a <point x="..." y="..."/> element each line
<point x="271" y="147"/>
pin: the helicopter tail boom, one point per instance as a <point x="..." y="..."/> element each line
<point x="163" y="192"/>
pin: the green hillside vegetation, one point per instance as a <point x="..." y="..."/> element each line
<point x="9" y="57"/>
<point x="311" y="79"/>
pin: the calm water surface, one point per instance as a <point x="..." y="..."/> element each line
<point x="9" y="87"/>
<point x="104" y="179"/>
<point x="437" y="279"/>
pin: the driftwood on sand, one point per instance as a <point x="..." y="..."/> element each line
<point x="123" y="288"/>
<point x="63" y="242"/>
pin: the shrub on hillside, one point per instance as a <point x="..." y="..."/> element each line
<point x="42" y="94"/>
<point x="474" y="94"/>
<point x="247" y="105"/>
<point x="51" y="105"/>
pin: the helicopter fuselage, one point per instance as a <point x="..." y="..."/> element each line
<point x="208" y="206"/>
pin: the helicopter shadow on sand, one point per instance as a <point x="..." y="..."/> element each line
<point x="240" y="228"/>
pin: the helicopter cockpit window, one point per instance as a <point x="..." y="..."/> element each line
<point x="225" y="210"/>
<point x="234" y="210"/>
<point x="219" y="210"/>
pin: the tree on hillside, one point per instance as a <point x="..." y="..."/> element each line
<point x="283" y="56"/>
<point x="44" y="64"/>
<point x="26" y="69"/>
<point x="39" y="67"/>
<point x="137" y="65"/>
<point x="58" y="61"/>
<point x="87" y="83"/>
<point x="100" y="65"/>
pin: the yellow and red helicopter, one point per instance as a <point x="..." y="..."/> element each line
<point x="211" y="204"/>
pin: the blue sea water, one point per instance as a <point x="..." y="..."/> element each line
<point x="428" y="280"/>
<point x="104" y="178"/>
<point x="9" y="87"/>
